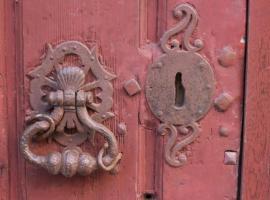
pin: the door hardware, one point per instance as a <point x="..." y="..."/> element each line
<point x="63" y="100"/>
<point x="180" y="85"/>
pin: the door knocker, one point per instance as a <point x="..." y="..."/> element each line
<point x="180" y="86"/>
<point x="63" y="100"/>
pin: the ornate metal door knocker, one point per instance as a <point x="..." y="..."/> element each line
<point x="63" y="99"/>
<point x="180" y="86"/>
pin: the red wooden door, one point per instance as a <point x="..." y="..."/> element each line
<point x="126" y="34"/>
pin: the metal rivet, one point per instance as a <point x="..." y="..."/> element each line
<point x="175" y="43"/>
<point x="230" y="158"/>
<point x="178" y="13"/>
<point x="159" y="113"/>
<point x="64" y="49"/>
<point x="51" y="58"/>
<point x="223" y="131"/>
<point x="74" y="48"/>
<point x="223" y="101"/>
<point x="122" y="128"/>
<point x="198" y="43"/>
<point x="132" y="87"/>
<point x="201" y="65"/>
<point x="92" y="58"/>
<point x="159" y="64"/>
<point x="103" y="116"/>
<point x="227" y="56"/>
<point x="182" y="158"/>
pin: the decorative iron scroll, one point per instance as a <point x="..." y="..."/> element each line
<point x="63" y="101"/>
<point x="180" y="86"/>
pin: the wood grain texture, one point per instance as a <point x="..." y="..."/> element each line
<point x="4" y="164"/>
<point x="256" y="177"/>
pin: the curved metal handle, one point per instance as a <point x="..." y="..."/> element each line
<point x="71" y="100"/>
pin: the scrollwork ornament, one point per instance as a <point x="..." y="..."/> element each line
<point x="180" y="59"/>
<point x="64" y="101"/>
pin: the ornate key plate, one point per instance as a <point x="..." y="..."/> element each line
<point x="180" y="85"/>
<point x="63" y="100"/>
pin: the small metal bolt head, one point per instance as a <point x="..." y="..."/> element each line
<point x="223" y="102"/>
<point x="182" y="158"/>
<point x="175" y="43"/>
<point x="122" y="128"/>
<point x="178" y="13"/>
<point x="223" y="131"/>
<point x="201" y="65"/>
<point x="227" y="56"/>
<point x="74" y="48"/>
<point x="64" y="49"/>
<point x="159" y="113"/>
<point x="159" y="64"/>
<point x="132" y="87"/>
<point x="92" y="58"/>
<point x="230" y="158"/>
<point x="198" y="43"/>
<point x="103" y="116"/>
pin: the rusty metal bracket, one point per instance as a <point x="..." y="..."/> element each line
<point x="63" y="100"/>
<point x="180" y="85"/>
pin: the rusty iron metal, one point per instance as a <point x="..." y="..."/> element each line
<point x="180" y="59"/>
<point x="173" y="154"/>
<point x="68" y="112"/>
<point x="132" y="87"/>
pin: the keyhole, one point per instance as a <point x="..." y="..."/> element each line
<point x="179" y="91"/>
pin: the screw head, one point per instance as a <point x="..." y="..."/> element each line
<point x="182" y="158"/>
<point x="178" y="13"/>
<point x="92" y="58"/>
<point x="160" y="113"/>
<point x="223" y="131"/>
<point x="159" y="64"/>
<point x="198" y="43"/>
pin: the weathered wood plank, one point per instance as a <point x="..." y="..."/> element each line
<point x="256" y="177"/>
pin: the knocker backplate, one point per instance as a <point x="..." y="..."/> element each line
<point x="69" y="107"/>
<point x="50" y="76"/>
<point x="198" y="82"/>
